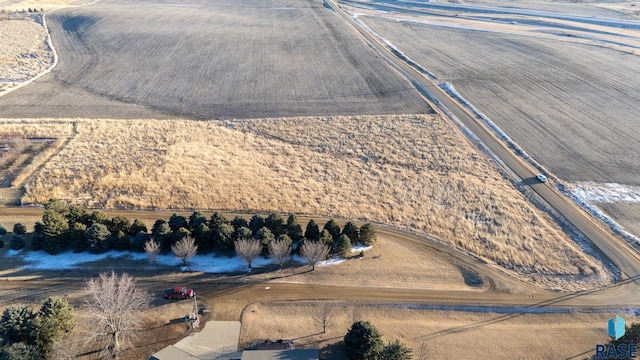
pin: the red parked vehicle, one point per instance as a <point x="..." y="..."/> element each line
<point x="179" y="293"/>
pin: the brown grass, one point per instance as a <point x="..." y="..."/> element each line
<point x="432" y="334"/>
<point x="159" y="331"/>
<point x="416" y="172"/>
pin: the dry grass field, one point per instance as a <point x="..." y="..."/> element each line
<point x="416" y="172"/>
<point x="24" y="52"/>
<point x="218" y="60"/>
<point x="433" y="334"/>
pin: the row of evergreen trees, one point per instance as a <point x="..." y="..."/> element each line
<point x="66" y="227"/>
<point x="30" y="335"/>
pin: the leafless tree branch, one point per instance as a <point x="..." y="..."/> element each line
<point x="279" y="251"/>
<point x="116" y="306"/>
<point x="314" y="252"/>
<point x="185" y="249"/>
<point x="152" y="249"/>
<point x="248" y="249"/>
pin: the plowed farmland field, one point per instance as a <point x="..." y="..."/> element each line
<point x="573" y="107"/>
<point x="208" y="60"/>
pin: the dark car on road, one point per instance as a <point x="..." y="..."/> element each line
<point x="179" y="293"/>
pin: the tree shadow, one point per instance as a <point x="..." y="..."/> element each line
<point x="335" y="351"/>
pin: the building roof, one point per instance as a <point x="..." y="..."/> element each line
<point x="218" y="340"/>
<point x="215" y="339"/>
<point x="303" y="354"/>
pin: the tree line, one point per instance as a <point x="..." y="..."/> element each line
<point x="65" y="227"/>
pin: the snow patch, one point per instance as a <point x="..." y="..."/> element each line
<point x="40" y="260"/>
<point x="451" y="91"/>
<point x="582" y="199"/>
<point x="333" y="261"/>
<point x="12" y="252"/>
<point x="607" y="193"/>
<point x="361" y="247"/>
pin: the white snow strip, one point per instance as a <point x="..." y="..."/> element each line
<point x="582" y="199"/>
<point x="40" y="260"/>
<point x="607" y="193"/>
<point x="333" y="261"/>
<point x="449" y="89"/>
<point x="361" y="247"/>
<point x="393" y="49"/>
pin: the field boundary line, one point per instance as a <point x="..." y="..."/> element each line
<point x="46" y="71"/>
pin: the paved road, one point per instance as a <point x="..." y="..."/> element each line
<point x="610" y="245"/>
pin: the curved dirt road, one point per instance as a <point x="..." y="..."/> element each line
<point x="499" y="288"/>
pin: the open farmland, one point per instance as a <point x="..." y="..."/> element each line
<point x="563" y="87"/>
<point x="210" y="60"/>
<point x="415" y="172"/>
<point x="572" y="107"/>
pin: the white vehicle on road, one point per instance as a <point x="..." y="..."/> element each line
<point x="542" y="178"/>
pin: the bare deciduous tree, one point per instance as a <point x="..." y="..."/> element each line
<point x="314" y="252"/>
<point x="152" y="248"/>
<point x="325" y="316"/>
<point x="116" y="305"/>
<point x="185" y="249"/>
<point x="279" y="251"/>
<point x="248" y="249"/>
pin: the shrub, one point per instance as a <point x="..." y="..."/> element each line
<point x="3" y="230"/>
<point x="17" y="242"/>
<point x="78" y="237"/>
<point x="138" y="241"/>
<point x="333" y="228"/>
<point x="342" y="246"/>
<point x="275" y="223"/>
<point x="19" y="229"/>
<point x="239" y="222"/>
<point x="136" y="227"/>
<point x="196" y="219"/>
<point x="351" y="230"/>
<point x="396" y="351"/>
<point x="363" y="341"/>
<point x="120" y="241"/>
<point x="312" y="230"/>
<point x="177" y="221"/>
<point x="97" y="236"/>
<point x="367" y="234"/>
